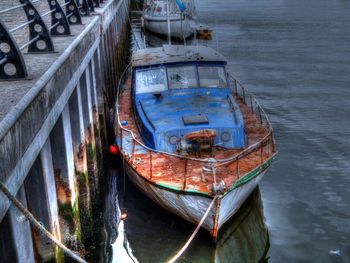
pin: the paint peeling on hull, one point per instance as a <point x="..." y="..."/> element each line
<point x="192" y="207"/>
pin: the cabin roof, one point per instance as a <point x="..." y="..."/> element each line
<point x="175" y="54"/>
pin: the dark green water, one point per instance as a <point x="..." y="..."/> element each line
<point x="294" y="55"/>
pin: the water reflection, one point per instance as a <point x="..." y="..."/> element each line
<point x="245" y="238"/>
<point x="117" y="248"/>
<point x="151" y="234"/>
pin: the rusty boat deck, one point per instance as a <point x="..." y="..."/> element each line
<point x="190" y="173"/>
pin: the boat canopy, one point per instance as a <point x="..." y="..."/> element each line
<point x="177" y="97"/>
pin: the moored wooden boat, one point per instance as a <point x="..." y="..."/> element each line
<point x="190" y="134"/>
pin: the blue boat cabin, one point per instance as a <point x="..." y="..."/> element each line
<point x="171" y="100"/>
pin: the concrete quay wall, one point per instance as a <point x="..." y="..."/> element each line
<point x="52" y="137"/>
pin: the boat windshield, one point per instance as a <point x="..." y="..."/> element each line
<point x="212" y="77"/>
<point x="151" y="80"/>
<point x="182" y="77"/>
<point x="179" y="77"/>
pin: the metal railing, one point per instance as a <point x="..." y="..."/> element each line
<point x="72" y="12"/>
<point x="12" y="65"/>
<point x="88" y="6"/>
<point x="265" y="147"/>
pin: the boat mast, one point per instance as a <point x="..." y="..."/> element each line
<point x="168" y="19"/>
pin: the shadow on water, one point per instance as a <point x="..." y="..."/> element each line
<point x="151" y="234"/>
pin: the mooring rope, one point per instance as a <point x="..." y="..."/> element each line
<point x="38" y="225"/>
<point x="183" y="249"/>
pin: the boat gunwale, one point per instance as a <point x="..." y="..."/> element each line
<point x="242" y="180"/>
<point x="164" y="18"/>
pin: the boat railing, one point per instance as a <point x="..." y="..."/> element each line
<point x="265" y="147"/>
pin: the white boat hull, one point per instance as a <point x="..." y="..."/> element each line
<point x="179" y="28"/>
<point x="192" y="207"/>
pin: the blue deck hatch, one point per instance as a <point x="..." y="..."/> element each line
<point x="194" y="120"/>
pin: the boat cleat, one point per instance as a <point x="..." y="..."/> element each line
<point x="219" y="188"/>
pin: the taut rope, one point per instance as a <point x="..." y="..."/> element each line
<point x="38" y="225"/>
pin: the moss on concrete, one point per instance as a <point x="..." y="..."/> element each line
<point x="83" y="179"/>
<point x="91" y="151"/>
<point x="66" y="212"/>
<point x="59" y="255"/>
<point x="86" y="222"/>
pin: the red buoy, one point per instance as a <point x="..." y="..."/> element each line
<point x="124" y="215"/>
<point x="113" y="149"/>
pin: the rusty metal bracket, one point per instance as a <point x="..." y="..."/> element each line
<point x="39" y="36"/>
<point x="72" y="12"/>
<point x="12" y="64"/>
<point x="59" y="21"/>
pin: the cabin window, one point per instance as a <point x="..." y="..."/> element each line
<point x="183" y="77"/>
<point x="212" y="77"/>
<point x="151" y="80"/>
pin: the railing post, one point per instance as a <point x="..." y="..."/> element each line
<point x="97" y="3"/>
<point x="251" y="103"/>
<point x="235" y="87"/>
<point x="213" y="169"/>
<point x="12" y="64"/>
<point x="243" y="92"/>
<point x="83" y="7"/>
<point x="72" y="12"/>
<point x="133" y="149"/>
<point x="59" y="22"/>
<point x="91" y="5"/>
<point x="121" y="140"/>
<point x="260" y="115"/>
<point x="40" y="38"/>
<point x="185" y="175"/>
<point x="150" y="163"/>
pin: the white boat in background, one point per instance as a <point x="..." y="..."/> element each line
<point x="181" y="18"/>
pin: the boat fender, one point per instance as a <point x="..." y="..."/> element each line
<point x="113" y="149"/>
<point x="124" y="215"/>
<point x="124" y="123"/>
